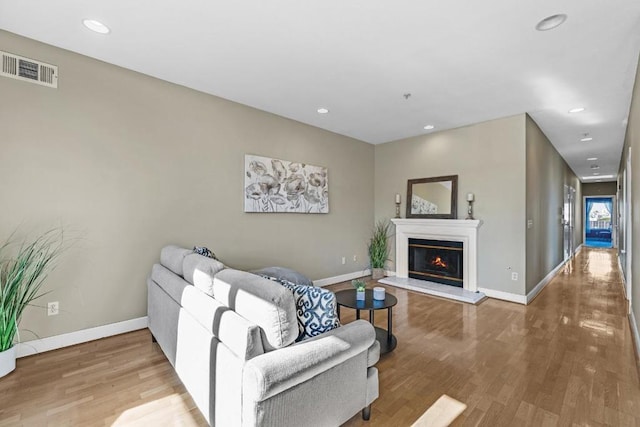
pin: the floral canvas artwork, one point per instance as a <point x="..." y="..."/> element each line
<point x="272" y="185"/>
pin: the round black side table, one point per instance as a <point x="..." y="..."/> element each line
<point x="347" y="298"/>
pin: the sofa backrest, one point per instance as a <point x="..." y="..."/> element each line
<point x="200" y="271"/>
<point x="261" y="301"/>
<point x="241" y="336"/>
<point x="172" y="258"/>
<point x="194" y="268"/>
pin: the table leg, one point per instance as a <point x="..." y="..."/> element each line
<point x="389" y="323"/>
<point x="357" y="314"/>
<point x="338" y="311"/>
<point x="371" y="317"/>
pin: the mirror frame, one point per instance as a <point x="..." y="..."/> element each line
<point x="454" y="196"/>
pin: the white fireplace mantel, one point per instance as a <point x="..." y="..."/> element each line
<point x="457" y="230"/>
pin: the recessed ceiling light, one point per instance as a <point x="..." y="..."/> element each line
<point x="594" y="166"/>
<point x="576" y="110"/>
<point x="590" y="159"/>
<point x="429" y="127"/>
<point x="551" y="22"/>
<point x="596" y="173"/>
<point x="96" y="26"/>
<point x="586" y="138"/>
<point x="323" y="110"/>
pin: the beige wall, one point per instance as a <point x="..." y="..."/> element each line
<point x="632" y="140"/>
<point x="547" y="174"/>
<point x="489" y="161"/>
<point x="599" y="189"/>
<point x="131" y="163"/>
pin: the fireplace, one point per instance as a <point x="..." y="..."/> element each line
<point x="438" y="261"/>
<point x="464" y="231"/>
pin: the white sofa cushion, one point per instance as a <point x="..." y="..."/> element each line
<point x="199" y="271"/>
<point x="261" y="301"/>
<point x="243" y="337"/>
<point x="237" y="333"/>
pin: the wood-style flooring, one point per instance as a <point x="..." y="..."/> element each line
<point x="566" y="359"/>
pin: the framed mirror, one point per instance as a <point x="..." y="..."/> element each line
<point x="432" y="197"/>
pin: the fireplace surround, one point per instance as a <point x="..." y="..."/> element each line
<point x="452" y="230"/>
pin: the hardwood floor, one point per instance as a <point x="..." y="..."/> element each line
<point x="566" y="359"/>
<point x="121" y="380"/>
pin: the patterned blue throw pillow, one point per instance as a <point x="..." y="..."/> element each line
<point x="315" y="308"/>
<point x="204" y="251"/>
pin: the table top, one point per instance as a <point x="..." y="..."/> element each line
<point x="347" y="298"/>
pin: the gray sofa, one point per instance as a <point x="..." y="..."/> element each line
<point x="230" y="336"/>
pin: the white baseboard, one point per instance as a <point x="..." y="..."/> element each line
<point x="506" y="296"/>
<point x="544" y="282"/>
<point x="55" y="342"/>
<point x="623" y="280"/>
<point x="549" y="277"/>
<point x="634" y="332"/>
<point x="341" y="278"/>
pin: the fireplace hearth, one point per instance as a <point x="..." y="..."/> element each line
<point x="439" y="261"/>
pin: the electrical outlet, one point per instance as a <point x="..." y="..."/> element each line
<point x="53" y="308"/>
<point x="514" y="276"/>
<point x="355" y="258"/>
<point x="530" y="223"/>
<point x="344" y="260"/>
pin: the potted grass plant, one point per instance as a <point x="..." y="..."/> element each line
<point x="379" y="249"/>
<point x="22" y="273"/>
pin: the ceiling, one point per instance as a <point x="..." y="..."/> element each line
<point x="463" y="62"/>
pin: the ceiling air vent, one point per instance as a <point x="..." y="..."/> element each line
<point x="18" y="67"/>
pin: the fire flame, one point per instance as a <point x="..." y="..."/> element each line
<point x="439" y="262"/>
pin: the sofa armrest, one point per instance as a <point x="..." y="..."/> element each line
<point x="373" y="354"/>
<point x="271" y="373"/>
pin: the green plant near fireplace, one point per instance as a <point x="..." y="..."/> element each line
<point x="379" y="248"/>
<point x="22" y="274"/>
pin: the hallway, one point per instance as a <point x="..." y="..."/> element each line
<point x="584" y="333"/>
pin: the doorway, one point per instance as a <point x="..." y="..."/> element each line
<point x="598" y="221"/>
<point x="568" y="209"/>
